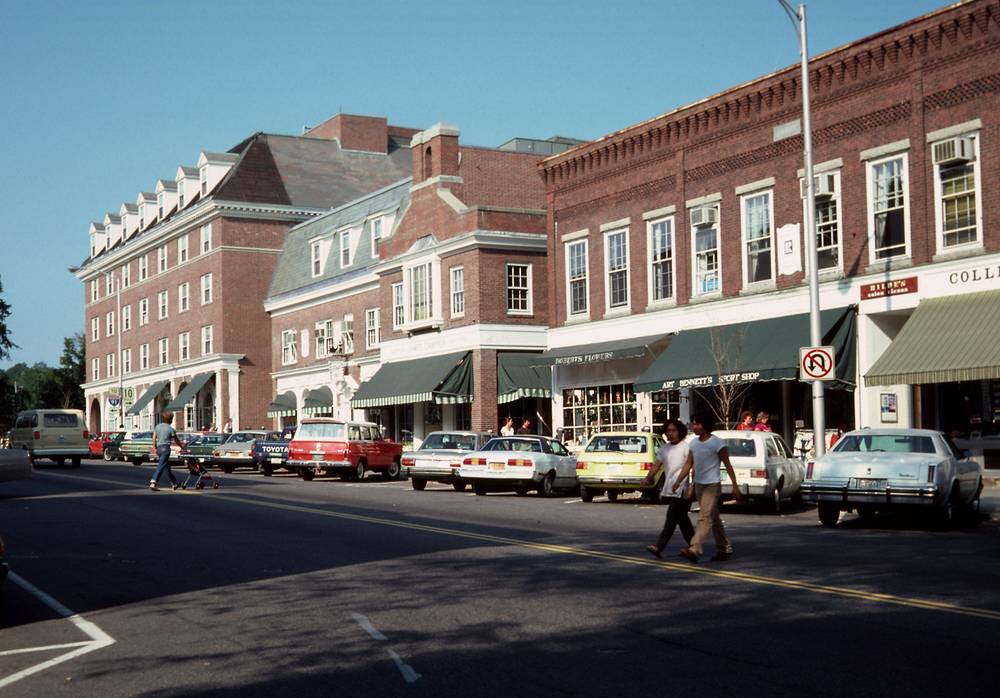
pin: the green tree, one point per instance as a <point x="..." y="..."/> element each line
<point x="37" y="386"/>
<point x="5" y="341"/>
<point x="72" y="371"/>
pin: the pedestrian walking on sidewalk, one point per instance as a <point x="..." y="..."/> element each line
<point x="708" y="453"/>
<point x="671" y="458"/>
<point x="163" y="435"/>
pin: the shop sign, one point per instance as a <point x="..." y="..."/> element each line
<point x="966" y="276"/>
<point x="889" y="407"/>
<point x="585" y="358"/>
<point x="896" y="287"/>
<point x="708" y="381"/>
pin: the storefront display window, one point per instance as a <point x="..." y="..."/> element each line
<point x="666" y="405"/>
<point x="593" y="409"/>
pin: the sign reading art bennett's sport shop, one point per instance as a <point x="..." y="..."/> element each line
<point x="710" y="380"/>
<point x="896" y="287"/>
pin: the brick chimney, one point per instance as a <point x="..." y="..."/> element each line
<point x="367" y="133"/>
<point x="435" y="152"/>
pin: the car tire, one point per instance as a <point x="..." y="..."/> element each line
<point x="266" y="470"/>
<point x="59" y="461"/>
<point x="228" y="469"/>
<point x="586" y="494"/>
<point x="136" y="462"/>
<point x="479" y="488"/>
<point x="392" y="472"/>
<point x="75" y="462"/>
<point x="547" y="485"/>
<point x="306" y="474"/>
<point x="358" y="474"/>
<point x="774" y="503"/>
<point x="458" y="485"/>
<point x="107" y="455"/>
<point x="612" y="495"/>
<point x="828" y="515"/>
<point x="946" y="516"/>
<point x="418" y="483"/>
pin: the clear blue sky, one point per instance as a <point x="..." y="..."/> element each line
<point x="103" y="97"/>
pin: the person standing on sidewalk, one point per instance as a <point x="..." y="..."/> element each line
<point x="672" y="457"/>
<point x="163" y="434"/>
<point x="708" y="453"/>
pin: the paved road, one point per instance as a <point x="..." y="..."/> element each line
<point x="273" y="586"/>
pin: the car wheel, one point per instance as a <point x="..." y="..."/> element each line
<point x="521" y="490"/>
<point x="945" y="516"/>
<point x="418" y="483"/>
<point x="306" y="474"/>
<point x="547" y="485"/>
<point x="228" y="469"/>
<point x="828" y="515"/>
<point x="586" y="494"/>
<point x="136" y="462"/>
<point x="75" y="462"/>
<point x="392" y="472"/>
<point x="479" y="488"/>
<point x="612" y="495"/>
<point x="266" y="470"/>
<point x="458" y="485"/>
<point x="59" y="461"/>
<point x="107" y="455"/>
<point x="358" y="473"/>
<point x="775" y="502"/>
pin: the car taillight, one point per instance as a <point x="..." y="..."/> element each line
<point x="647" y="466"/>
<point x="581" y="465"/>
<point x="37" y="435"/>
<point x="215" y="453"/>
<point x="762" y="474"/>
<point x="86" y="434"/>
<point x="809" y="469"/>
<point x="521" y="462"/>
<point x="407" y="461"/>
<point x="930" y="473"/>
<point x="474" y="461"/>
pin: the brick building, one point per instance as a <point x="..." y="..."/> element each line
<point x="175" y="283"/>
<point x="684" y="231"/>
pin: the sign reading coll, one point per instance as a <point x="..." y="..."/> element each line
<point x="817" y="364"/>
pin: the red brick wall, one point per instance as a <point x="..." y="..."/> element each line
<point x="355" y="132"/>
<point x="484" y="382"/>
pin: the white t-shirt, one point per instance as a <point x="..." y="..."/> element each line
<point x="506" y="431"/>
<point x="673" y="457"/>
<point x="706" y="459"/>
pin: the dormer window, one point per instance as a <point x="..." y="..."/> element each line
<point x="316" y="251"/>
<point x="203" y="175"/>
<point x="159" y="205"/>
<point x="376" y="235"/>
<point x="180" y="193"/>
<point x="345" y="248"/>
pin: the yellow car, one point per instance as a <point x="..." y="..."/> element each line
<point x="617" y="462"/>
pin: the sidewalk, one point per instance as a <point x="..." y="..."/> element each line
<point x="989" y="500"/>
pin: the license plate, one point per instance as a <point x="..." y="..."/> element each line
<point x="232" y="453"/>
<point x="497" y="466"/>
<point x="275" y="459"/>
<point x="870" y="483"/>
<point x="614" y="468"/>
<point x="317" y="456"/>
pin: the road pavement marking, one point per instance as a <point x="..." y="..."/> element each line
<point x="367" y="626"/>
<point x="409" y="675"/>
<point x="98" y="638"/>
<point x="685" y="567"/>
<point x="45" y="648"/>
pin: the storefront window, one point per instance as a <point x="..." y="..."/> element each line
<point x="463" y="417"/>
<point x="666" y="405"/>
<point x="590" y="410"/>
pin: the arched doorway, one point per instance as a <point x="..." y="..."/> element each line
<point x="95" y="415"/>
<point x="204" y="412"/>
<point x="159" y="404"/>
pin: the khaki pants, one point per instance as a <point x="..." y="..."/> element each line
<point x="709" y="499"/>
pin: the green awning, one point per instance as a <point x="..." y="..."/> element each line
<point x="282" y="405"/>
<point x="445" y="379"/>
<point x="518" y="375"/>
<point x="147" y="397"/>
<point x="188" y="392"/>
<point x="745" y="352"/>
<point x="948" y="339"/>
<point x="318" y="400"/>
<point x="604" y="351"/>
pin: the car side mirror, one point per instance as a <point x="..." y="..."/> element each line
<point x="965" y="453"/>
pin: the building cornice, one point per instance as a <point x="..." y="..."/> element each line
<point x="212" y="362"/>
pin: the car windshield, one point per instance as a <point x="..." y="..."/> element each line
<point x="443" y="440"/>
<point x="603" y="443"/>
<point x="741" y="448"/>
<point x="320" y="430"/>
<point x="242" y="437"/>
<point x="888" y="443"/>
<point x="501" y="444"/>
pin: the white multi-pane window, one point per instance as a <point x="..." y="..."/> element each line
<point x="661" y="259"/>
<point x="206" y="340"/>
<point x="206" y="238"/>
<point x="377" y="224"/>
<point x="126" y="318"/>
<point x="323" y="331"/>
<point x="398" y="307"/>
<point x="95" y="329"/>
<point x="110" y="363"/>
<point x="421" y="305"/>
<point x="373" y="330"/>
<point x="206" y="289"/>
<point x="126" y="361"/>
<point x="576" y="277"/>
<point x="161" y="259"/>
<point x="457" y="291"/>
<point x="887" y="180"/>
<point x="345" y="248"/>
<point x="616" y="268"/>
<point x="109" y="284"/>
<point x="289" y="347"/>
<point x="94" y="291"/>
<point x="316" y="256"/>
<point x="183" y="297"/>
<point x="828" y="216"/>
<point x="347" y="333"/>
<point x="143" y="357"/>
<point x="143" y="267"/>
<point x="758" y="238"/>
<point x="126" y="275"/>
<point x="95" y="369"/>
<point x="518" y="289"/>
<point x="109" y="324"/>
<point x="706" y="259"/>
<point x="164" y="350"/>
<point x="163" y="302"/>
<point x="143" y="312"/>
<point x="182" y="248"/>
<point x="956" y="188"/>
<point x="183" y="346"/>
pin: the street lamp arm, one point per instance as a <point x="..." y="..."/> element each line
<point x="793" y="16"/>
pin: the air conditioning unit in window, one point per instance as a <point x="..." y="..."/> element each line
<point x="335" y="347"/>
<point x="954" y="151"/>
<point x="704" y="215"/>
<point x="824" y="186"/>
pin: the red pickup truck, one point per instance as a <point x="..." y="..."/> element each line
<point x="349" y="449"/>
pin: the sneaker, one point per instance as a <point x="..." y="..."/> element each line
<point x="688" y="554"/>
<point x="654" y="551"/>
<point x="175" y="485"/>
<point x="719" y="557"/>
<point x="152" y="486"/>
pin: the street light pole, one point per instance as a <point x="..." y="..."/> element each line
<point x="118" y="361"/>
<point x="798" y="18"/>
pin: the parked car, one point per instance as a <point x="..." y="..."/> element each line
<point x="618" y="462"/>
<point x="106" y="445"/>
<point x="439" y="457"/>
<point x="137" y="447"/>
<point x="15" y="464"/>
<point x="349" y="449"/>
<point x="876" y="470"/>
<point x="523" y="463"/>
<point x="270" y="454"/>
<point x="201" y="447"/>
<point x="54" y="434"/>
<point x="765" y="467"/>
<point x="234" y="452"/>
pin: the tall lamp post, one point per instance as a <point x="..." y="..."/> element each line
<point x="798" y="18"/>
<point x="118" y="361"/>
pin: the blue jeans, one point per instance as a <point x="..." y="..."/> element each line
<point x="163" y="457"/>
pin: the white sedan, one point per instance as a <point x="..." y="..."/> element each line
<point x="764" y="465"/>
<point x="874" y="470"/>
<point x="523" y="463"/>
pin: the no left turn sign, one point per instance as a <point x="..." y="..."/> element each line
<point x="817" y="364"/>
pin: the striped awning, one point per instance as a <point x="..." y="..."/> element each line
<point x="444" y="379"/>
<point x="282" y="405"/>
<point x="519" y="375"/>
<point x="318" y="401"/>
<point x="188" y="392"/>
<point x="146" y="398"/>
<point x="948" y="339"/>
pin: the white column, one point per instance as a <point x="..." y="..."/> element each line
<point x="234" y="398"/>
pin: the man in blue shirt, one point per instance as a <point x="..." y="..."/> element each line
<point x="163" y="434"/>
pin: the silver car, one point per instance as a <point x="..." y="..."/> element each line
<point x="15" y="464"/>
<point x="440" y="457"/>
<point x="872" y="470"/>
<point x="764" y="465"/>
<point x="234" y="452"/>
<point x="523" y="463"/>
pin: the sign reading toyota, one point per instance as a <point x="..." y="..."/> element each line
<point x="817" y="364"/>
